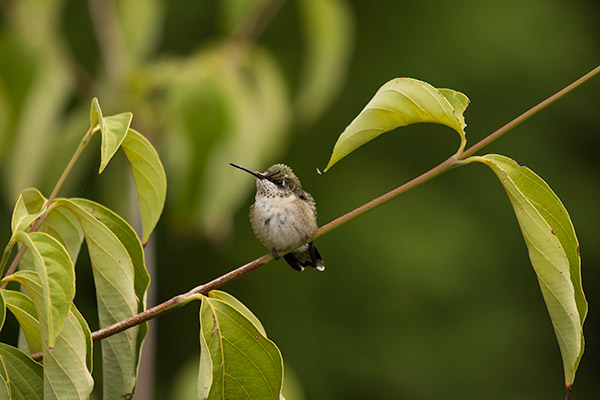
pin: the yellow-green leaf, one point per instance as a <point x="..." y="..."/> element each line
<point x="50" y="281"/>
<point x="239" y="306"/>
<point x="29" y="206"/>
<point x="401" y="102"/>
<point x="113" y="130"/>
<point x="21" y="377"/>
<point x="237" y="361"/>
<point x="553" y="251"/>
<point x="150" y="179"/>
<point x="23" y="309"/>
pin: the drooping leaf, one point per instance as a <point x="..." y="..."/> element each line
<point x="50" y="281"/>
<point x="29" y="206"/>
<point x="127" y="236"/>
<point x="114" y="280"/>
<point x="62" y="225"/>
<point x="21" y="377"/>
<point x="66" y="374"/>
<point x="327" y="26"/>
<point x="236" y="360"/>
<point x="401" y="102"/>
<point x="150" y="179"/>
<point x="22" y="307"/>
<point x="553" y="251"/>
<point x="95" y="113"/>
<point x="239" y="306"/>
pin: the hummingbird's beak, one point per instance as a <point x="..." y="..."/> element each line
<point x="256" y="174"/>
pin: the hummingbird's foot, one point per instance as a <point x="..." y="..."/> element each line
<point x="275" y="255"/>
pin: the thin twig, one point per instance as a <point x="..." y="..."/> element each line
<point x="36" y="225"/>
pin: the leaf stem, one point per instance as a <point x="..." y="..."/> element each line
<point x="450" y="163"/>
<point x="36" y="225"/>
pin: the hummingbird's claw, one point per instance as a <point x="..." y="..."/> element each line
<point x="275" y="255"/>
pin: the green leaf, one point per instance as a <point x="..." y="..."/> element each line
<point x="62" y="225"/>
<point x="327" y="26"/>
<point x="22" y="307"/>
<point x="114" y="280"/>
<point x="236" y="361"/>
<point x="66" y="374"/>
<point x="239" y="306"/>
<point x="114" y="129"/>
<point x="150" y="179"/>
<point x="127" y="236"/>
<point x="21" y="376"/>
<point x="50" y="281"/>
<point x="553" y="251"/>
<point x="401" y="102"/>
<point x="95" y="112"/>
<point x="29" y="206"/>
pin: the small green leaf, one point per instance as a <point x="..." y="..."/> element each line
<point x="95" y="113"/>
<point x="553" y="251"/>
<point x="113" y="131"/>
<point x="22" y="307"/>
<point x="66" y="374"/>
<point x="239" y="306"/>
<point x="21" y="376"/>
<point x="150" y="179"/>
<point x="29" y="206"/>
<point x="401" y="102"/>
<point x="52" y="285"/>
<point x="236" y="360"/>
<point x="114" y="280"/>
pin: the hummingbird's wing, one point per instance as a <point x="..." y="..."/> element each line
<point x="305" y="256"/>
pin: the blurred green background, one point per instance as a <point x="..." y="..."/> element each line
<point x="431" y="296"/>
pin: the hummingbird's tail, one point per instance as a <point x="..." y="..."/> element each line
<point x="305" y="256"/>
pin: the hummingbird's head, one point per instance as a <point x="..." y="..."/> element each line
<point x="277" y="180"/>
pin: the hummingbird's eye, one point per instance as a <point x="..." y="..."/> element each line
<point x="279" y="182"/>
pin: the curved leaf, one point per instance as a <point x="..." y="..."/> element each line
<point x="113" y="129"/>
<point x="66" y="374"/>
<point x="236" y="360"/>
<point x="241" y="308"/>
<point x="114" y="280"/>
<point x="130" y="240"/>
<point x="29" y="206"/>
<point x="401" y="102"/>
<point x="22" y="307"/>
<point x="553" y="251"/>
<point x="327" y="26"/>
<point x="21" y="376"/>
<point x="150" y="179"/>
<point x="50" y="281"/>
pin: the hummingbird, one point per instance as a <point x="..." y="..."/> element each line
<point x="283" y="216"/>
